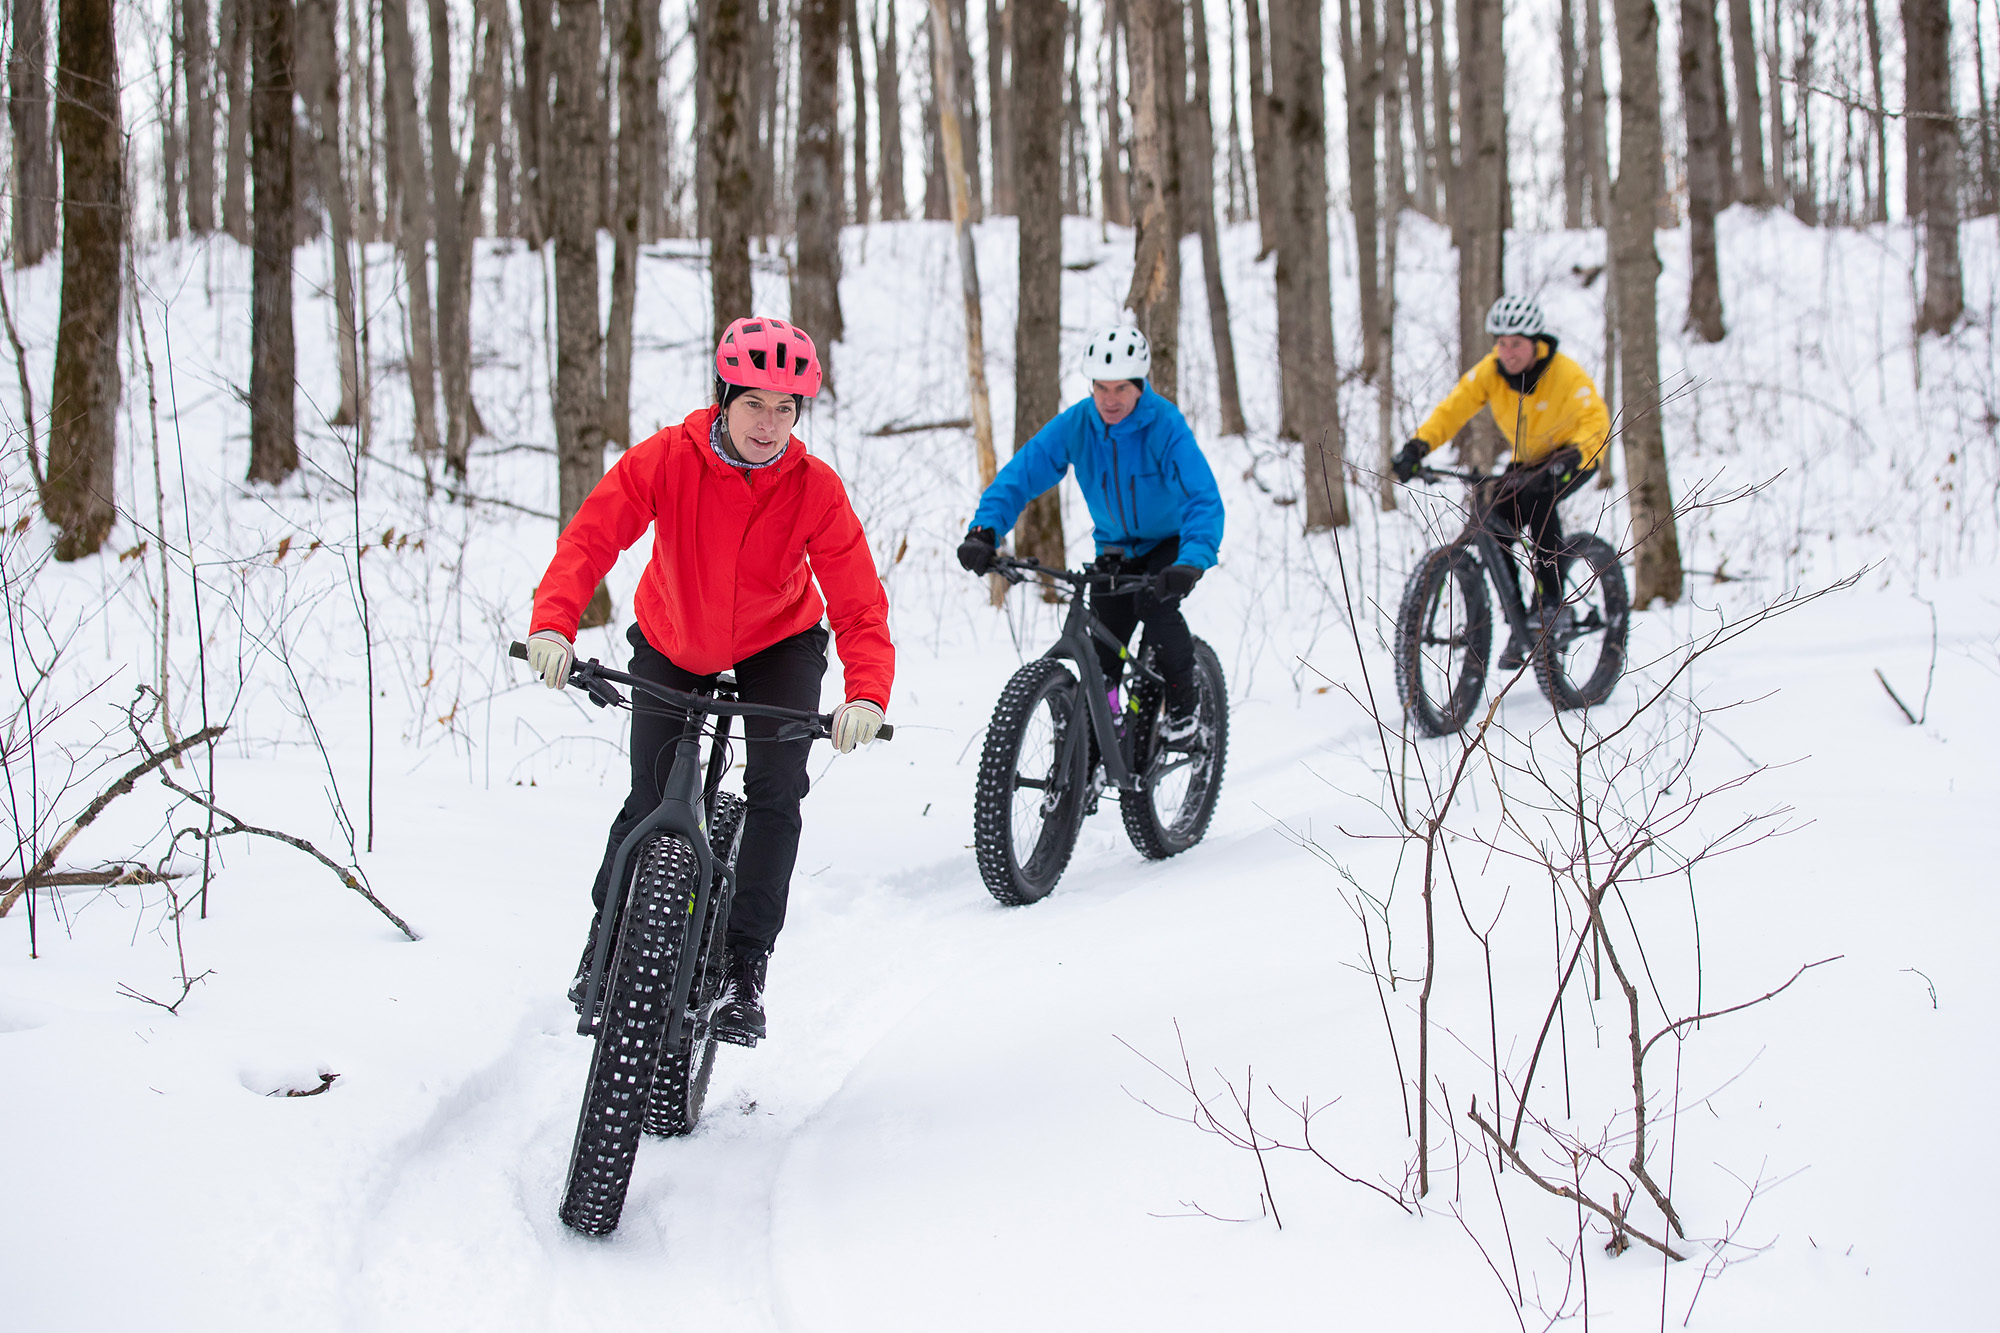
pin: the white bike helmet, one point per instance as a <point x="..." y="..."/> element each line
<point x="1516" y="315"/>
<point x="1118" y="353"/>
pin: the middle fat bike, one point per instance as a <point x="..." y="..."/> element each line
<point x="1059" y="739"/>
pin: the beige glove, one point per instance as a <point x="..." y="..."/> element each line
<point x="855" y="724"/>
<point x="550" y="655"/>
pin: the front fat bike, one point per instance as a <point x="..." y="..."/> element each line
<point x="1054" y="745"/>
<point x="1444" y="623"/>
<point x="654" y="979"/>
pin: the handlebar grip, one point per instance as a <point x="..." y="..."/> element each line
<point x="886" y="732"/>
<point x="517" y="649"/>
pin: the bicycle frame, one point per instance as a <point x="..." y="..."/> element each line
<point x="686" y="798"/>
<point x="1081" y="630"/>
<point x="1480" y="534"/>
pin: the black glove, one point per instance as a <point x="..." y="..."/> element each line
<point x="1564" y="465"/>
<point x="1408" y="460"/>
<point x="978" y="549"/>
<point x="1179" y="580"/>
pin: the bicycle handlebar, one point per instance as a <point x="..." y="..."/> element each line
<point x="597" y="680"/>
<point x="1019" y="568"/>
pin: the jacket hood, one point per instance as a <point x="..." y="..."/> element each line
<point x="700" y="424"/>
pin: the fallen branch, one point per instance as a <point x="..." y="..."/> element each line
<point x="154" y="759"/>
<point x="351" y="877"/>
<point x="106" y="878"/>
<point x="1897" y="697"/>
<point x="1620" y="1227"/>
<point x="918" y="427"/>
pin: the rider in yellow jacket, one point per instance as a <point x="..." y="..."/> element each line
<point x="1557" y="429"/>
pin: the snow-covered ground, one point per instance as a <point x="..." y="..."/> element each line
<point x="968" y="1117"/>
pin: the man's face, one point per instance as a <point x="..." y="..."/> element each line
<point x="1516" y="353"/>
<point x="1115" y="399"/>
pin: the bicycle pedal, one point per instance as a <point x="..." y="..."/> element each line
<point x="734" y="1038"/>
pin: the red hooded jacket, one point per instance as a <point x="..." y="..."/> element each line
<point x="729" y="575"/>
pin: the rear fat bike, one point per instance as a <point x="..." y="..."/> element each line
<point x="1444" y="626"/>
<point x="656" y="961"/>
<point x="1055" y="745"/>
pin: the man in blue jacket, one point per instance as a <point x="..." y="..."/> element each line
<point x="1150" y="493"/>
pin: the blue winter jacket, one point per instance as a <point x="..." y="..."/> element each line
<point x="1144" y="479"/>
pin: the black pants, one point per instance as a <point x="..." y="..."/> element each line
<point x="786" y="674"/>
<point x="1166" y="629"/>
<point x="1532" y="511"/>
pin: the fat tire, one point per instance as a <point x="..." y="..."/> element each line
<point x="651" y="938"/>
<point x="1010" y="877"/>
<point x="1434" y="713"/>
<point x="681" y="1088"/>
<point x="1158" y="838"/>
<point x="1600" y="604"/>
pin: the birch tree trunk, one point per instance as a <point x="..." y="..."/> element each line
<point x="1636" y="270"/>
<point x="1037" y="104"/>
<point x="816" y="275"/>
<point x="1707" y="145"/>
<point x="78" y="487"/>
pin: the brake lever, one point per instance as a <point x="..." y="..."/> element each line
<point x="799" y="731"/>
<point x="601" y="691"/>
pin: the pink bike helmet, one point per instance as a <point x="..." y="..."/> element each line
<point x="758" y="353"/>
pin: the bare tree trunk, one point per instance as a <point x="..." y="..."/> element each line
<point x="1036" y="100"/>
<point x="454" y="327"/>
<point x="1421" y="139"/>
<point x="364" y="108"/>
<point x="937" y="188"/>
<point x="638" y="93"/>
<point x="1989" y="171"/>
<point x="1575" y="173"/>
<point x="968" y="104"/>
<point x="1446" y="147"/>
<point x="889" y="114"/>
<point x="1391" y="66"/>
<point x="816" y="276"/>
<point x="78" y="494"/>
<point x="173" y="157"/>
<point x="1199" y="197"/>
<point x="1154" y="297"/>
<point x="858" y="75"/>
<point x="319" y="76"/>
<point x="1117" y="185"/>
<point x="1480" y="220"/>
<point x="1775" y="103"/>
<point x="236" y="130"/>
<point x="1596" y="132"/>
<point x="274" y="446"/>
<point x="1236" y="170"/>
<point x="1701" y="97"/>
<point x="999" y="18"/>
<point x="532" y="117"/>
<point x="1358" y="57"/>
<point x="1877" y="121"/>
<point x="1263" y="129"/>
<point x="1637" y="270"/>
<point x="1805" y="191"/>
<point x="399" y="72"/>
<point x="34" y="180"/>
<point x="1753" y="185"/>
<point x="1932" y="139"/>
<point x="198" y="58"/>
<point x="1308" y="380"/>
<point x="579" y="406"/>
<point x="727" y="52"/>
<point x="1076" y="155"/>
<point x="944" y="93"/>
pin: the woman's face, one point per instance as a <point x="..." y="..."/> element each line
<point x="760" y="422"/>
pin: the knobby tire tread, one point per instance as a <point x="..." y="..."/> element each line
<point x="626" y="1053"/>
<point x="1154" y="839"/>
<point x="993" y="804"/>
<point x="681" y="1088"/>
<point x="1604" y="590"/>
<point x="1434" y="717"/>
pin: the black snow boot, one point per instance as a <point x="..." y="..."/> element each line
<point x="582" y="981"/>
<point x="1515" y="655"/>
<point x="739" y="1017"/>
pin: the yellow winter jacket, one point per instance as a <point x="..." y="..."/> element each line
<point x="1560" y="407"/>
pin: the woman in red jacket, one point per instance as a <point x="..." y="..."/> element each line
<point x="744" y="522"/>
